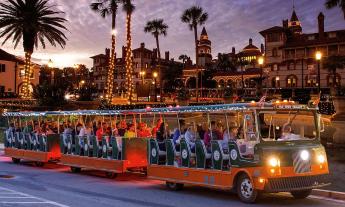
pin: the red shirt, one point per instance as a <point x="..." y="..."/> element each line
<point x="99" y="134"/>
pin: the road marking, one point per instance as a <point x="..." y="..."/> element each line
<point x="326" y="199"/>
<point x="24" y="195"/>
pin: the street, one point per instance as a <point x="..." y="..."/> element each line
<point x="55" y="185"/>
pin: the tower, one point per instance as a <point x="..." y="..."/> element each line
<point x="294" y="23"/>
<point x="204" y="49"/>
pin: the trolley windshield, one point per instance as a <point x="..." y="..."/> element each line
<point x="287" y="125"/>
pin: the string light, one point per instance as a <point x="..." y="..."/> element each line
<point x="129" y="61"/>
<point x="112" y="62"/>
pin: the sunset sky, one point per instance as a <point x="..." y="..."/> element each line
<point x="231" y="23"/>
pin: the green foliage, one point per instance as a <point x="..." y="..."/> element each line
<point x="50" y="94"/>
<point x="85" y="93"/>
<point x="171" y="75"/>
<point x="336" y="3"/>
<point x="183" y="94"/>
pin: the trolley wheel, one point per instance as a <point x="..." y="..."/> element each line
<point x="111" y="175"/>
<point x="75" y="169"/>
<point x="15" y="160"/>
<point x="39" y="164"/>
<point x="301" y="194"/>
<point x="245" y="189"/>
<point x="174" y="186"/>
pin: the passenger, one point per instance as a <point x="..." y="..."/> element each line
<point x="130" y="133"/>
<point x="201" y="129"/>
<point x="17" y="128"/>
<point x="123" y="128"/>
<point x="287" y="133"/>
<point x="85" y="130"/>
<point x="144" y="131"/>
<point x="178" y="132"/>
<point x="231" y="136"/>
<point x="99" y="132"/>
<point x="190" y="138"/>
<point x="28" y="128"/>
<point x="156" y="128"/>
<point x="11" y="128"/>
<point x="212" y="134"/>
<point x="161" y="136"/>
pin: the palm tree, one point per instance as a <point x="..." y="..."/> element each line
<point x="336" y="3"/>
<point x="106" y="8"/>
<point x="32" y="21"/>
<point x="157" y="27"/>
<point x="332" y="64"/>
<point x="195" y="16"/>
<point x="129" y="8"/>
<point x="184" y="58"/>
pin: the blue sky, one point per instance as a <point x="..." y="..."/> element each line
<point x="231" y="23"/>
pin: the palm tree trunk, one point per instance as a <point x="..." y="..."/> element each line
<point x="112" y="61"/>
<point x="159" y="69"/>
<point x="27" y="73"/>
<point x="129" y="66"/>
<point x="197" y="61"/>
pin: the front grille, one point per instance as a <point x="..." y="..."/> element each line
<point x="300" y="165"/>
<point x="295" y="183"/>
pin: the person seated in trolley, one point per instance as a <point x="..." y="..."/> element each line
<point x="143" y="131"/>
<point x="179" y="131"/>
<point x="123" y="128"/>
<point x="214" y="133"/>
<point x="156" y="128"/>
<point x="231" y="135"/>
<point x="287" y="133"/>
<point x="86" y="130"/>
<point x="190" y="137"/>
<point x="130" y="133"/>
<point x="161" y="135"/>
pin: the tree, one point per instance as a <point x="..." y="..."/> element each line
<point x="195" y="16"/>
<point x="184" y="58"/>
<point x="32" y="21"/>
<point x="106" y="8"/>
<point x="129" y="8"/>
<point x="330" y="4"/>
<point x="157" y="27"/>
<point x="332" y="64"/>
<point x="224" y="63"/>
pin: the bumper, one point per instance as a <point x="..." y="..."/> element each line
<point x="287" y="184"/>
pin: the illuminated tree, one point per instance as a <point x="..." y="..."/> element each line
<point x="129" y="8"/>
<point x="106" y="8"/>
<point x="32" y="21"/>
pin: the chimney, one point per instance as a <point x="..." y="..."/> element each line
<point x="321" y="20"/>
<point x="262" y="49"/>
<point x="233" y="50"/>
<point x="107" y="52"/>
<point x="285" y="24"/>
<point x="167" y="56"/>
<point x="250" y="41"/>
<point x="142" y="45"/>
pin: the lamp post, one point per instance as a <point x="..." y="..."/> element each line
<point x="155" y="75"/>
<point x="142" y="75"/>
<point x="318" y="57"/>
<point x="261" y="63"/>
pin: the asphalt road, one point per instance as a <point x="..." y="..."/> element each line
<point x="55" y="185"/>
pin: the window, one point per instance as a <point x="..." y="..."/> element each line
<point x="2" y="68"/>
<point x="330" y="80"/>
<point x="276" y="82"/>
<point x="2" y="89"/>
<point x="275" y="37"/>
<point x="275" y="67"/>
<point x="332" y="35"/>
<point x="291" y="81"/>
<point x="311" y="37"/>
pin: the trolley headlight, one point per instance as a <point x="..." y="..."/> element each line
<point x="321" y="159"/>
<point x="304" y="155"/>
<point x="273" y="162"/>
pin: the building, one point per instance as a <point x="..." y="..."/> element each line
<point x="204" y="49"/>
<point x="290" y="54"/>
<point x="145" y="62"/>
<point x="12" y="74"/>
<point x="246" y="68"/>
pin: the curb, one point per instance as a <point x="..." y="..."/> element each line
<point x="329" y="194"/>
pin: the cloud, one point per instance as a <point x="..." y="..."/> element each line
<point x="231" y="23"/>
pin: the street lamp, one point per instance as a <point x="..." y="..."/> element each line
<point x="261" y="63"/>
<point x="318" y="57"/>
<point x="155" y="75"/>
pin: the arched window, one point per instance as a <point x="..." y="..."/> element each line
<point x="310" y="81"/>
<point x="291" y="81"/>
<point x="201" y="51"/>
<point x="221" y="83"/>
<point x="330" y="80"/>
<point x="276" y="82"/>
